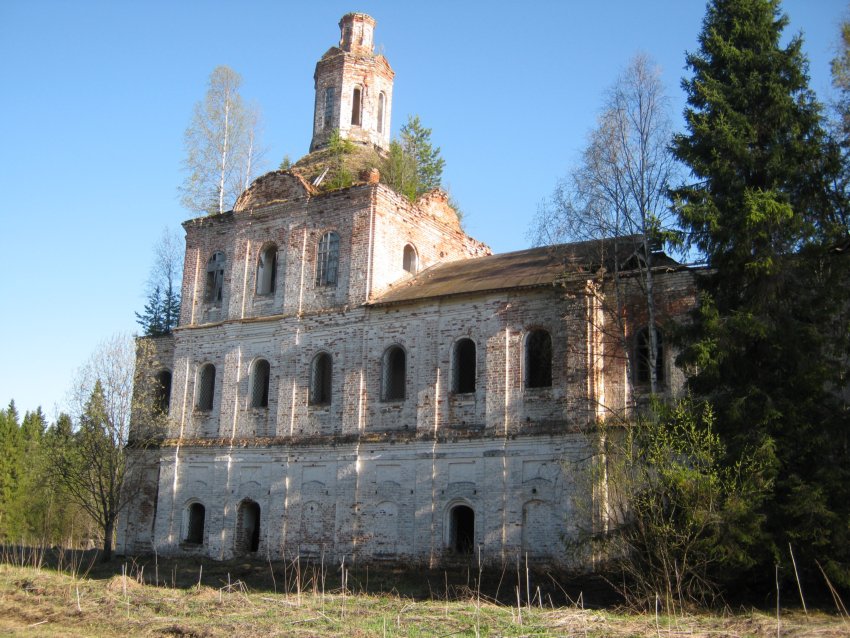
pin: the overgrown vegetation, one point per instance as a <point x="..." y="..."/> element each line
<point x="683" y="516"/>
<point x="339" y="176"/>
<point x="80" y="598"/>
<point x="413" y="166"/>
<point x="728" y="489"/>
<point x="763" y="347"/>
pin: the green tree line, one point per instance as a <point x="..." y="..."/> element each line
<point x="34" y="504"/>
<point x="753" y="486"/>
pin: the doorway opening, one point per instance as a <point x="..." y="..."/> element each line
<point x="462" y="529"/>
<point x="248" y="527"/>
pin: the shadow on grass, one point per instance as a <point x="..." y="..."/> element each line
<point x="503" y="583"/>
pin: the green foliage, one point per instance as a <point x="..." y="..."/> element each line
<point x="413" y="166"/>
<point x="285" y="163"/>
<point x="161" y="313"/>
<point x="338" y="175"/>
<point x="684" y="516"/>
<point x="222" y="146"/>
<point x="763" y="344"/>
<point x="840" y="124"/>
<point x="32" y="508"/>
<point x="399" y="171"/>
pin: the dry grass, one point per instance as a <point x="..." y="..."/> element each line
<point x="43" y="602"/>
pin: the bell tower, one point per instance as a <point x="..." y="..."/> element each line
<point x="354" y="88"/>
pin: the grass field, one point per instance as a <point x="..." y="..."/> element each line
<point x="83" y="599"/>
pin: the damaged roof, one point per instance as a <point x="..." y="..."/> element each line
<point x="533" y="267"/>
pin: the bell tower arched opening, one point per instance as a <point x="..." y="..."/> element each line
<point x="354" y="88"/>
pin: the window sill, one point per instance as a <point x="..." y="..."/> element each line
<point x="319" y="408"/>
<point x="544" y="392"/>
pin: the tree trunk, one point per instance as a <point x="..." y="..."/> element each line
<point x="107" y="542"/>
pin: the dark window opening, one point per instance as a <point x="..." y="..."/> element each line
<point x="162" y="394"/>
<point x="394" y="374"/>
<point x="462" y="539"/>
<point x="206" y="388"/>
<point x="327" y="261"/>
<point x="538" y="360"/>
<point x="409" y="259"/>
<point x="260" y="384"/>
<point x="248" y="532"/>
<point x="215" y="278"/>
<point x="329" y="107"/>
<point x="195" y="528"/>
<point x="643" y="370"/>
<point x="355" y="107"/>
<point x="463" y="370"/>
<point x="321" y="374"/>
<point x="267" y="270"/>
<point x="381" y="101"/>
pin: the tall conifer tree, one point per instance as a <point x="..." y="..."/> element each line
<point x="760" y="211"/>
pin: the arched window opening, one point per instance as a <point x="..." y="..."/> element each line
<point x="248" y="527"/>
<point x="329" y="107"/>
<point x="321" y="375"/>
<point x="267" y="270"/>
<point x="410" y="262"/>
<point x="463" y="367"/>
<point x="215" y="278"/>
<point x="382" y="99"/>
<point x="538" y="360"/>
<point x="206" y="388"/>
<point x="355" y="107"/>
<point x="195" y="527"/>
<point x="394" y="374"/>
<point x="260" y="384"/>
<point x="462" y="529"/>
<point x="643" y="372"/>
<point x="327" y="262"/>
<point x="162" y="391"/>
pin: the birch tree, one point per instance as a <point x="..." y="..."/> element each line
<point x="618" y="191"/>
<point x="222" y="146"/>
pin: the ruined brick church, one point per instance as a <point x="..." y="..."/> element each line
<point x="354" y="376"/>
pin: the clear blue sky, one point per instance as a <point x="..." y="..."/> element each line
<point x="96" y="96"/>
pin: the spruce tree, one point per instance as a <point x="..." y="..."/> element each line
<point x="152" y="320"/>
<point x="413" y="166"/>
<point x="170" y="308"/>
<point x="761" y="341"/>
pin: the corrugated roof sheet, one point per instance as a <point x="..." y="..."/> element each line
<point x="521" y="269"/>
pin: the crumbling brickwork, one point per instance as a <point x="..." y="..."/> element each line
<point x="316" y="403"/>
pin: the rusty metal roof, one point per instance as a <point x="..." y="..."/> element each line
<point x="521" y="269"/>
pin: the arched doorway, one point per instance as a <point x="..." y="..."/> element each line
<point x="462" y="529"/>
<point x="248" y="527"/>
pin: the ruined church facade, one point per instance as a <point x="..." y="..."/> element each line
<point x="353" y="375"/>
